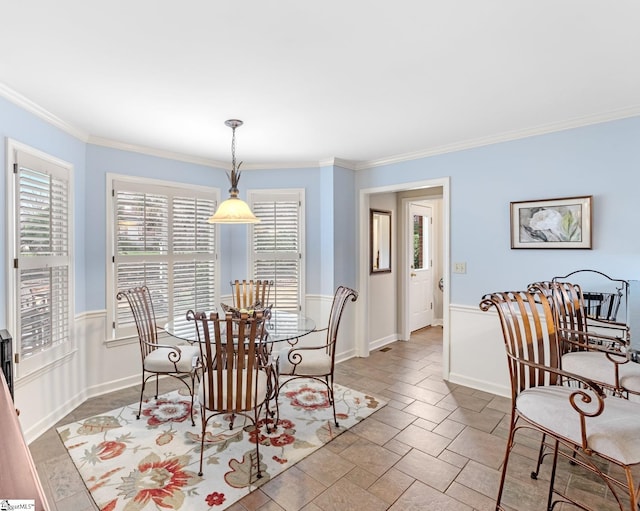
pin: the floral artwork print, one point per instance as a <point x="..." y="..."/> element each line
<point x="552" y="224"/>
<point x="152" y="463"/>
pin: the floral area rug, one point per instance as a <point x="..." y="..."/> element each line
<point x="152" y="463"/>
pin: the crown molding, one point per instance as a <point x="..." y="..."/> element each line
<point x="160" y="153"/>
<point x="26" y="104"/>
<point x="544" y="129"/>
<point x="578" y="122"/>
<point x="339" y="162"/>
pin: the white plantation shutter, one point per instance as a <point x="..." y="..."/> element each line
<point x="276" y="245"/>
<point x="162" y="240"/>
<point x="42" y="214"/>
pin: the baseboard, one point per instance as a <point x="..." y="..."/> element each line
<point x="383" y="341"/>
<point x="482" y="385"/>
<point x="112" y="386"/>
<point x="45" y="423"/>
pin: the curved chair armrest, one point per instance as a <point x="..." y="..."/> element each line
<point x="586" y="382"/>
<point x="307" y="348"/>
<point x="580" y="396"/>
<point x="174" y="349"/>
<point x="588" y="338"/>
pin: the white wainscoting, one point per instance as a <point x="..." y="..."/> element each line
<point x="477" y="360"/>
<point x="318" y="308"/>
<point x="477" y="357"/>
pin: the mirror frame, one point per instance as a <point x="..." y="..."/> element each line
<point x="378" y="220"/>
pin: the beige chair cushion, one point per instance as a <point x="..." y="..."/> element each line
<point x="260" y="393"/>
<point x="158" y="360"/>
<point x="313" y="363"/>
<point x="598" y="367"/>
<point x="614" y="433"/>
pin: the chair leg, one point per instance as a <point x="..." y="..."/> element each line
<point x="157" y="385"/>
<point x="193" y="391"/>
<point x="554" y="466"/>
<point x="512" y="432"/>
<point x="633" y="496"/>
<point x="329" y="380"/>
<point x="202" y="434"/>
<point x="534" y="474"/>
<point x="141" y="396"/>
<point x="256" y="416"/>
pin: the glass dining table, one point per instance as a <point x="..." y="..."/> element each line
<point x="281" y="326"/>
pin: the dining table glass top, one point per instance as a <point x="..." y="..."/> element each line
<point x="281" y="326"/>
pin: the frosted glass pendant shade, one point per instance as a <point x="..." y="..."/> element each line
<point x="233" y="211"/>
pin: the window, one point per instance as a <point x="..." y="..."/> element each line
<point x="161" y="239"/>
<point x="40" y="235"/>
<point x="420" y="242"/>
<point x="276" y="244"/>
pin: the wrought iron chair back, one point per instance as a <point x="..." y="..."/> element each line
<point x="235" y="379"/>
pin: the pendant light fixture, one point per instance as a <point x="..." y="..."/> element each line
<point x="233" y="210"/>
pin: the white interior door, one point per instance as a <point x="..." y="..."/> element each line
<point x="420" y="263"/>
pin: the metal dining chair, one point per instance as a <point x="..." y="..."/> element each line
<point x="569" y="410"/>
<point x="235" y="379"/>
<point x="317" y="362"/>
<point x="159" y="359"/>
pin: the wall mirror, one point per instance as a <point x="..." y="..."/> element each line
<point x="380" y="241"/>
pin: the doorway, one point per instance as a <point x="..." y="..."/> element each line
<point x="406" y="192"/>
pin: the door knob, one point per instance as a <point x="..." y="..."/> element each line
<point x="413" y="274"/>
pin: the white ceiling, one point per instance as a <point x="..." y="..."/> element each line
<point x="365" y="81"/>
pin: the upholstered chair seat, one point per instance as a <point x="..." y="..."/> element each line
<point x="614" y="433"/>
<point x="599" y="368"/>
<point x="181" y="359"/>
<point x="311" y="362"/>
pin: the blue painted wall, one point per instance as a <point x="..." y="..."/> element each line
<point x="23" y="127"/>
<point x="602" y="160"/>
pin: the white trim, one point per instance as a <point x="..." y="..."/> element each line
<point x="51" y="363"/>
<point x="138" y="181"/>
<point x="23" y="102"/>
<point x="383" y="341"/>
<point x="288" y="193"/>
<point x="508" y="136"/>
<point x="362" y="305"/>
<point x="53" y="354"/>
<point x="33" y="431"/>
<point x="87" y="315"/>
<point x="160" y="153"/>
<point x="44" y="424"/>
<point x="483" y="385"/>
<point x="112" y="176"/>
<point x="122" y="341"/>
<point x="543" y="129"/>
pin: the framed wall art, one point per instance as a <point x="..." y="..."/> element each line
<point x="551" y="223"/>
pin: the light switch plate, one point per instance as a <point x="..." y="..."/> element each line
<point x="459" y="267"/>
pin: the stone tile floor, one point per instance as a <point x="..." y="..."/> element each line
<point x="435" y="446"/>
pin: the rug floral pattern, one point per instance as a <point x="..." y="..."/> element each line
<point x="152" y="463"/>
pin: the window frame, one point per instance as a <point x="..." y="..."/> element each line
<point x="254" y="195"/>
<point x="49" y="356"/>
<point x="111" y="289"/>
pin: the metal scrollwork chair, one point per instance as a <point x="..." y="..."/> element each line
<point x="570" y="410"/>
<point x="598" y="351"/>
<point x="235" y="379"/>
<point x="600" y="305"/>
<point x="159" y="359"/>
<point x="317" y="362"/>
<point x="251" y="294"/>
